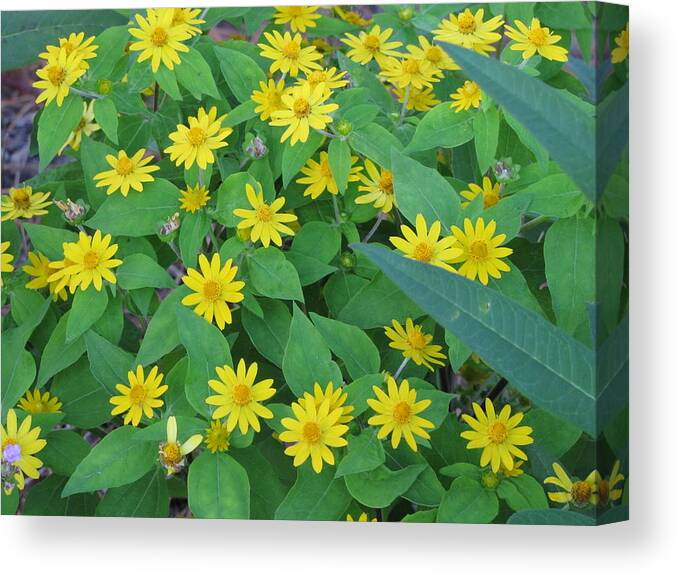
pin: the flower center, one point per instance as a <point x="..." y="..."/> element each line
<point x="478" y="249"/>
<point x="90" y="260"/>
<point x="537" y="36"/>
<point x="56" y="75"/>
<point x="159" y="37"/>
<point x="211" y="290"/>
<point x="21" y="198"/>
<point x="467" y="23"/>
<point x="311" y="431"/>
<point x="417" y="339"/>
<point x="264" y="213"/>
<point x="470" y="88"/>
<point x="371" y="42"/>
<point x="386" y="182"/>
<point x="497" y="432"/>
<point x="301" y="107"/>
<point x="11" y="452"/>
<point x="434" y="54"/>
<point x="219" y="438"/>
<point x="242" y="394"/>
<point x="423" y="252"/>
<point x="411" y="66"/>
<point x="124" y="166"/>
<point x="171" y="453"/>
<point x="401" y="412"/>
<point x="138" y="394"/>
<point x="581" y="493"/>
<point x="196" y="136"/>
<point x="291" y="50"/>
<point x="294" y="10"/>
<point x="67" y="47"/>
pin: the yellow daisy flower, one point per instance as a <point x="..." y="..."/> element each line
<point x="214" y="289"/>
<point x="516" y="471"/>
<point x="351" y="16"/>
<point x="239" y="397"/>
<point x="187" y="17"/>
<point x="491" y="193"/>
<point x="303" y="109"/>
<point x="319" y="177"/>
<point x="75" y="44"/>
<point x="438" y="59"/>
<point x="158" y="38"/>
<point x="372" y="45"/>
<point x="269" y="98"/>
<point x="217" y="437"/>
<point x="312" y="432"/>
<point x="171" y="453"/>
<point x="91" y="261"/>
<point x="578" y="492"/>
<point x="607" y="487"/>
<point x="141" y="397"/>
<point x="128" y="172"/>
<point x="39" y="269"/>
<point x="193" y="198"/>
<point x="378" y="185"/>
<point x="410" y="71"/>
<point x="57" y="76"/>
<point x="298" y="17"/>
<point x="425" y="245"/>
<point x="621" y="52"/>
<point x="363" y="518"/>
<point x="398" y="413"/>
<point x="37" y="402"/>
<point x="332" y="78"/>
<point x="466" y="96"/>
<point x="536" y="39"/>
<point x="470" y="31"/>
<point x="265" y="220"/>
<point x="419" y="100"/>
<point x="86" y="127"/>
<point x="19" y="446"/>
<point x="337" y="398"/>
<point x="287" y="54"/>
<point x="24" y="203"/>
<point x="5" y="260"/>
<point x="62" y="277"/>
<point x="480" y="250"/>
<point x="195" y="142"/>
<point x="414" y="343"/>
<point x="498" y="436"/>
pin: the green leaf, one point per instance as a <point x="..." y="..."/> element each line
<point x="294" y="157"/>
<point x="307" y="358"/>
<point x="240" y="114"/>
<point x="59" y="353"/>
<point x="273" y="276"/>
<point x="138" y="214"/>
<point x="555" y="195"/>
<point x="427" y="516"/>
<point x="109" y="363"/>
<point x="442" y="127"/>
<point x="426" y="489"/>
<point x="461" y="470"/>
<point x="242" y="74"/>
<point x="486" y="136"/>
<point x="552" y="369"/>
<point x="365" y="453"/>
<point x="550" y="517"/>
<point x="381" y="486"/>
<point x="315" y="497"/>
<point x="55" y="125"/>
<point x="167" y="80"/>
<point x="18" y="368"/>
<point x="550" y="432"/>
<point x="88" y="306"/>
<point x="111" y="43"/>
<point x="339" y="156"/>
<point x="422" y="190"/>
<point x="313" y="248"/>
<point x="360" y="390"/>
<point x="612" y="135"/>
<point x="43" y="499"/>
<point x="146" y="497"/>
<point x="350" y="344"/>
<point x="218" y="487"/>
<point x="64" y="451"/>
<point x="93" y="158"/>
<point x="269" y="334"/>
<point x="49" y="241"/>
<point x="231" y="195"/>
<point x="522" y="492"/>
<point x="162" y="335"/>
<point x="195" y="75"/>
<point x="139" y="271"/>
<point x="457" y="350"/>
<point x="116" y="460"/>
<point x="610" y="250"/>
<point x="375" y="142"/>
<point x="192" y="233"/>
<point x="106" y="115"/>
<point x="467" y="501"/>
<point x="513" y="285"/>
<point x="561" y="126"/>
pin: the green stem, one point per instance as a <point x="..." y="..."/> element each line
<point x="86" y="94"/>
<point x="533" y="223"/>
<point x="400" y="369"/>
<point x="403" y="109"/>
<point x="335" y="205"/>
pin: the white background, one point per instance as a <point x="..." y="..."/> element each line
<point x="648" y="542"/>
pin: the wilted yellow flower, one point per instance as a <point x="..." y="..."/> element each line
<point x="37" y="402"/>
<point x="128" y="172"/>
<point x="419" y="100"/>
<point x="217" y="437"/>
<point x="193" y="198"/>
<point x="57" y="76"/>
<point x="158" y="38"/>
<point x="269" y="98"/>
<point x="5" y="260"/>
<point x="298" y="17"/>
<point x="319" y="177"/>
<point x="409" y="72"/>
<point x="19" y="446"/>
<point x="414" y="343"/>
<point x="378" y="185"/>
<point x="24" y="203"/>
<point x="470" y="31"/>
<point x="265" y="220"/>
<point x="39" y="269"/>
<point x="372" y="45"/>
<point x="86" y="126"/>
<point x="171" y="453"/>
<point x="141" y="397"/>
<point x="491" y="193"/>
<point x="468" y="95"/>
<point x="75" y="44"/>
<point x="337" y="398"/>
<point x="621" y="51"/>
<point x="287" y="54"/>
<point x="536" y="39"/>
<point x="578" y="492"/>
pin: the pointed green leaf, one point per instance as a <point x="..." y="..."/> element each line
<point x="218" y="487"/>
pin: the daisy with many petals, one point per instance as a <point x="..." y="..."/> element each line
<point x="467" y="96"/>
<point x="189" y="19"/>
<point x="19" y="445"/>
<point x="399" y="413"/>
<point x="5" y="260"/>
<point x="127" y="172"/>
<point x="39" y="269"/>
<point x="158" y="38"/>
<point x="75" y="44"/>
<point x="426" y="245"/>
<point x="577" y="492"/>
<point x="409" y="72"/>
<point x="193" y="198"/>
<point x="497" y="435"/>
<point x="287" y="54"/>
<point x="536" y="39"/>
<point x="337" y="398"/>
<point x="378" y="187"/>
<point x="319" y="177"/>
<point x="266" y="221"/>
<point x="269" y="98"/>
<point x="24" y="203"/>
<point x="213" y="289"/>
<point x="141" y="397"/>
<point x="313" y="431"/>
<point x="419" y="100"/>
<point x="481" y="250"/>
<point x="304" y="109"/>
<point x="239" y="397"/>
<point x="610" y="488"/>
<point x="171" y="453"/>
<point x="332" y="78"/>
<point x="38" y="402"/>
<point x="491" y="193"/>
<point x="57" y="76"/>
<point x="414" y="343"/>
<point x="372" y="45"/>
<point x="217" y="436"/>
<point x="438" y="58"/>
<point x="91" y="260"/>
<point x="470" y="30"/>
<point x="86" y="127"/>
<point x="621" y="51"/>
<point x="298" y="17"/>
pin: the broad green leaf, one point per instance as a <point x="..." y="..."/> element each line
<point x="106" y="115"/>
<point x="134" y="133"/>
<point x="44" y="499"/>
<point x="231" y="195"/>
<point x="273" y="276"/>
<point x="240" y="114"/>
<point x="87" y="307"/>
<point x="381" y="486"/>
<point x="612" y="135"/>
<point x="550" y="517"/>
<point x="562" y="127"/>
<point x="522" y="492"/>
<point x="610" y="250"/>
<point x="467" y="501"/>
<point x="49" y="241"/>
<point x="64" y="451"/>
<point x="139" y="271"/>
<point x="59" y="353"/>
<point x="194" y="74"/>
<point x="18" y="369"/>
<point x="294" y="157"/>
<point x="427" y="516"/>
<point x="242" y="74"/>
<point x="313" y="248"/>
<point x="486" y="136"/>
<point x="192" y="233"/>
<point x="542" y="362"/>
<point x="530" y="141"/>
<point x="146" y="497"/>
<point x="116" y="460"/>
<point x="426" y="489"/>
<point x="442" y="127"/>
<point x="554" y="196"/>
<point x="9" y="502"/>
<point x="360" y="390"/>
<point x="109" y="363"/>
<point x="375" y="142"/>
<point x="55" y="125"/>
<point x="513" y="285"/>
<point x="457" y="350"/>
<point x="162" y="335"/>
<point x="349" y="343"/>
<point x="269" y="334"/>
<point x="550" y="432"/>
<point x="462" y="470"/>
<point x="365" y="453"/>
<point x="447" y="445"/>
<point x="315" y="496"/>
<point x="612" y="374"/>
<point x="93" y="158"/>
<point x="111" y="48"/>
<point x="218" y="487"/>
<point x="307" y="357"/>
<point x="339" y="156"/>
<point x="167" y="80"/>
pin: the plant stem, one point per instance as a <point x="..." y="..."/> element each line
<point x="155" y="97"/>
<point x="522" y="64"/>
<point x="86" y="94"/>
<point x="335" y="205"/>
<point x="533" y="223"/>
<point x="403" y="109"/>
<point x="329" y="134"/>
<point x="497" y="389"/>
<point x="380" y="217"/>
<point x="201" y="177"/>
<point x="396" y="375"/>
